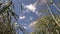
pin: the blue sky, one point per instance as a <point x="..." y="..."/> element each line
<point x="30" y="16"/>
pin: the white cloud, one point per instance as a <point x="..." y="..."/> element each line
<point x="22" y="17"/>
<point x="31" y="7"/>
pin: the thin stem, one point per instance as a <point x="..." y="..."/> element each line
<point x="52" y="14"/>
<point x="36" y="3"/>
<point x="55" y="6"/>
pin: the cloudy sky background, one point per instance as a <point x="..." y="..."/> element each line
<point x="31" y="11"/>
